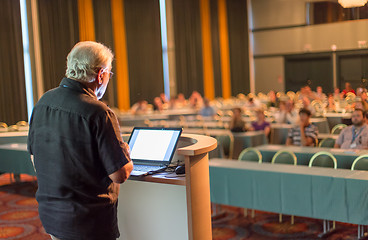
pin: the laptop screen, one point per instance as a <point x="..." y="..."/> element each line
<point x="153" y="144"/>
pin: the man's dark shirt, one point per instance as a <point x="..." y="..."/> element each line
<point x="76" y="143"/>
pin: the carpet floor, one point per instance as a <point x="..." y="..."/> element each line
<point x="19" y="219"/>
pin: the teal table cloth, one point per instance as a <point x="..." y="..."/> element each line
<point x="320" y="193"/>
<point x="14" y="158"/>
<point x="13" y="137"/>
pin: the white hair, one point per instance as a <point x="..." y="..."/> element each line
<point x="86" y="59"/>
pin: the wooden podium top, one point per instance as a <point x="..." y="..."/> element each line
<point x="198" y="144"/>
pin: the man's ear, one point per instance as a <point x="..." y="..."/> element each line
<point x="99" y="76"/>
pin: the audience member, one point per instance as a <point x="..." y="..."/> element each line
<point x="181" y="101"/>
<point x="307" y="105"/>
<point x="287" y="113"/>
<point x="273" y="100"/>
<point x="347" y="89"/>
<point x="196" y="100"/>
<point x="207" y="110"/>
<point x="319" y="95"/>
<point x="237" y="124"/>
<point x="157" y="104"/>
<point x="354" y="136"/>
<point x="140" y="107"/>
<point x="338" y="95"/>
<point x="305" y="134"/>
<point x="163" y="98"/>
<point x="331" y="105"/>
<point x="261" y="124"/>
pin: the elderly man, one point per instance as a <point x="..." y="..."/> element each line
<point x="356" y="135"/>
<point x="306" y="133"/>
<point x="79" y="155"/>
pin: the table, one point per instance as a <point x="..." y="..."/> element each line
<point x="344" y="157"/>
<point x="279" y="132"/>
<point x="241" y="140"/>
<point x="14" y="158"/>
<point x="322" y="136"/>
<point x="13" y="137"/>
<point x="321" y="193"/>
<point x="337" y="118"/>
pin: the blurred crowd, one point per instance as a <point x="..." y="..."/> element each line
<point x="294" y="108"/>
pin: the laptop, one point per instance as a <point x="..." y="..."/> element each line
<point x="152" y="149"/>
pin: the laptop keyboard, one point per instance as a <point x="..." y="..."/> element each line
<point x="146" y="168"/>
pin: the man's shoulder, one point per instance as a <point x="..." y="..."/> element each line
<point x="81" y="104"/>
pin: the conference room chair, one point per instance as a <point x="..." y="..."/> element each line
<point x="338" y="128"/>
<point x="3" y="127"/>
<point x="13" y="128"/>
<point x="323" y="159"/>
<point x="327" y="142"/>
<point x="284" y="157"/>
<point x="327" y="160"/>
<point x="251" y="155"/>
<point x="22" y="124"/>
<point x="360" y="163"/>
<point x="227" y="142"/>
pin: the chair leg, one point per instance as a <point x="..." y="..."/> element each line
<point x="292" y="219"/>
<point x="280" y="217"/>
<point x="333" y="225"/>
<point x="253" y="213"/>
<point x="245" y="212"/>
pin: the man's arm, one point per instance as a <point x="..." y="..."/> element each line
<point x="122" y="174"/>
<point x="305" y="140"/>
<point x="289" y="141"/>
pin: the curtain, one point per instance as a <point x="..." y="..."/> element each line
<point x="59" y="33"/>
<point x="143" y="33"/>
<point x="13" y="104"/>
<point x="216" y="59"/>
<point x="238" y="46"/>
<point x="104" y="35"/>
<point x="188" y="46"/>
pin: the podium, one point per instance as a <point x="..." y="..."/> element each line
<point x="167" y="206"/>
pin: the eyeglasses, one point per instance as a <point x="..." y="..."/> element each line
<point x="109" y="72"/>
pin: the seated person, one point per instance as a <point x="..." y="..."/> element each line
<point x="356" y="135"/>
<point x="261" y="124"/>
<point x="237" y="124"/>
<point x="273" y="100"/>
<point x="319" y="95"/>
<point x="157" y="104"/>
<point x="207" y="110"/>
<point x="306" y="133"/>
<point x="307" y="105"/>
<point x="338" y="95"/>
<point x="331" y="105"/>
<point x="287" y="113"/>
<point x="140" y="107"/>
<point x="195" y="100"/>
<point x="181" y="101"/>
<point x="348" y="89"/>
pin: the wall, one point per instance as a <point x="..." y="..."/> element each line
<point x="270" y="45"/>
